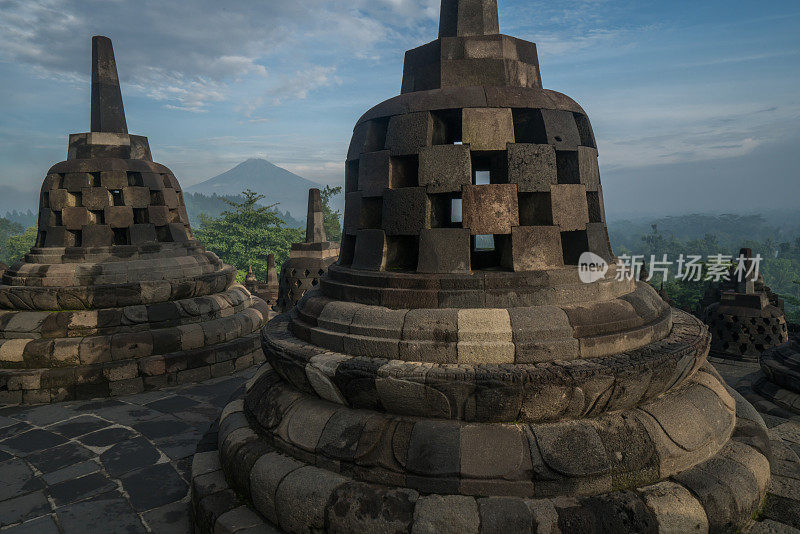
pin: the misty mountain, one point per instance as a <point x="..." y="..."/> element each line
<point x="276" y="184"/>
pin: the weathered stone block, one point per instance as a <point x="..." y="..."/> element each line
<point x="570" y="207"/>
<point x="47" y="217"/>
<point x="158" y="215"/>
<point x="409" y="132"/>
<point x="153" y="181"/>
<point x="487" y="128"/>
<point x="535" y="248"/>
<point x="169" y="197"/>
<point x="371" y="250"/>
<point x="352" y="213"/>
<point x="406" y="211"/>
<point x="136" y="197"/>
<point x="532" y="167"/>
<point x="369" y="136"/>
<point x="562" y="131"/>
<point x="675" y="508"/>
<point x="114" y="180"/>
<point x="445" y="168"/>
<point x="74" y="182"/>
<point x="119" y="216"/>
<point x="597" y="234"/>
<point x="357" y="507"/>
<point x="374" y="172"/>
<point x="302" y="498"/>
<point x="60" y="199"/>
<point x="490" y="209"/>
<point x="504" y="514"/>
<point x="97" y="235"/>
<point x="178" y="232"/>
<point x="75" y="218"/>
<point x="484" y="336"/>
<point x="444" y="250"/>
<point x="589" y="170"/>
<point x="434" y="448"/>
<point x="96" y="198"/>
<point x="142" y="233"/>
<point x="446" y="514"/>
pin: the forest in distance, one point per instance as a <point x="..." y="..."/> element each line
<point x="244" y="229"/>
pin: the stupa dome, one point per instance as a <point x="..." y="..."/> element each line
<point x="117" y="296"/>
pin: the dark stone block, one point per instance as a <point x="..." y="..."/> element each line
<point x="406" y="211"/>
<point x="374" y="172"/>
<point x="494" y="400"/>
<point x="359" y="507"/>
<point x="562" y="131"/>
<point x="444" y="250"/>
<point x="370" y="250"/>
<point x="435" y="448"/>
<point x="504" y="514"/>
<point x="445" y="168"/>
<point x="408" y="133"/>
<point x="355" y="378"/>
<point x="56" y="458"/>
<point x="97" y="235"/>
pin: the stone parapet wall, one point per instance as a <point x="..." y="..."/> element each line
<point x="126" y="377"/>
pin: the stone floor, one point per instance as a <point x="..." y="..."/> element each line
<point x="122" y="465"/>
<point x="781" y="511"/>
<point x="117" y="465"/>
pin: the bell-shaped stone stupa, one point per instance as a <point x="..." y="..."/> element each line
<point x="307" y="261"/>
<point x="117" y="296"/>
<point x="746" y="317"/>
<point x="453" y="373"/>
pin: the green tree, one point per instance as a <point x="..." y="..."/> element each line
<point x="247" y="233"/>
<point x="16" y="246"/>
<point x="333" y="223"/>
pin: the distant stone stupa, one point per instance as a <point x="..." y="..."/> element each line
<point x="453" y="373"/>
<point x="747" y="318"/>
<point x="266" y="291"/>
<point x="117" y="296"/>
<point x="307" y="261"/>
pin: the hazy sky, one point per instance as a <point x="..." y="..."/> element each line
<point x="695" y="105"/>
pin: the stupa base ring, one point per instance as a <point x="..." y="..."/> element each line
<point x="240" y="480"/>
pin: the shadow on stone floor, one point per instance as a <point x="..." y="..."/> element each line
<point x="111" y="465"/>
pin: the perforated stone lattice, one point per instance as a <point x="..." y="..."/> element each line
<point x="542" y="202"/>
<point x="742" y="336"/>
<point x="111" y="207"/>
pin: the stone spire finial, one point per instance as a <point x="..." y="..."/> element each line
<point x="463" y="18"/>
<point x="108" y="115"/>
<point x="315" y="223"/>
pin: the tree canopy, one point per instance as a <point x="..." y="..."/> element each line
<point x="247" y="233"/>
<point x="333" y="224"/>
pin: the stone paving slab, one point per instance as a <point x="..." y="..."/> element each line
<point x="111" y="465"/>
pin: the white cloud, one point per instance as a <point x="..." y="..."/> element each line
<point x="187" y="55"/>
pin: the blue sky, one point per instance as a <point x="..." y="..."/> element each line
<point x="695" y="105"/>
